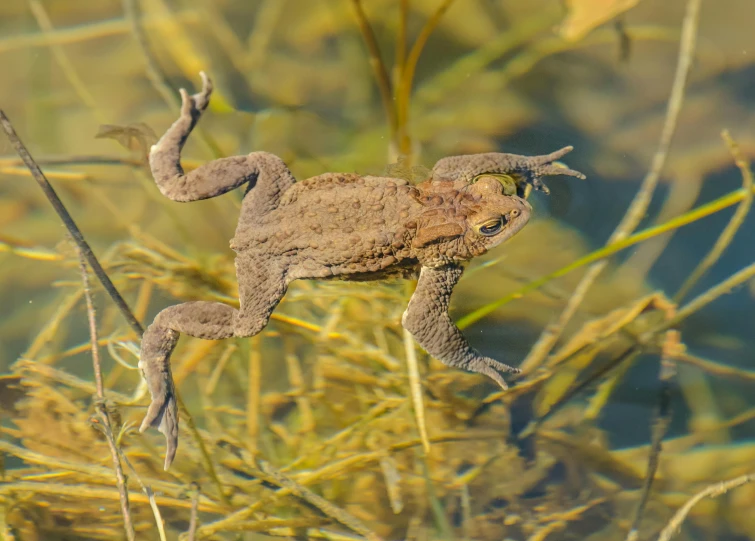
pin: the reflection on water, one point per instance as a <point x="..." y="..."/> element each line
<point x="323" y="395"/>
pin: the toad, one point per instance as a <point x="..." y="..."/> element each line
<point x="339" y="226"/>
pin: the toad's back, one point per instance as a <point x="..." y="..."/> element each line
<point x="334" y="224"/>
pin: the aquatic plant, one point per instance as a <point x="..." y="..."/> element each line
<point x="357" y="431"/>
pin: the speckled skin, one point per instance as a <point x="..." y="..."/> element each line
<point x="343" y="226"/>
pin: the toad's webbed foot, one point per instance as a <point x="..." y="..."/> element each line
<point x="524" y="169"/>
<point x="427" y="319"/>
<point x="154" y="362"/>
<point x="491" y="368"/>
<point x="536" y="167"/>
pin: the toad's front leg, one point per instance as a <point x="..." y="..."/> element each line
<point x="427" y="319"/>
<point x="522" y="169"/>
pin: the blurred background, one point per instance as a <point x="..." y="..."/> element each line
<point x="376" y="86"/>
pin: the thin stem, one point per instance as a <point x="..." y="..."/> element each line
<point x="87" y="31"/>
<point x="155" y="74"/>
<point x="94" y="340"/>
<point x="193" y="521"/>
<point x="203" y="451"/>
<point x="7" y="161"/>
<point x="727" y="235"/>
<point x="708" y="297"/>
<point x="639" y="205"/>
<point x="415" y="386"/>
<point x="159" y="82"/>
<point x="45" y="24"/>
<point x="96" y="494"/>
<point x="627" y="356"/>
<point x="715" y="368"/>
<point x="439" y="511"/>
<point x="712" y="491"/>
<point x="660" y="426"/>
<point x="379" y="69"/>
<point x="101" y="408"/>
<point x="327" y="508"/>
<point x="401" y="37"/>
<point x="69" y="223"/>
<point x="406" y="80"/>
<point x="150" y="495"/>
<point x="253" y="395"/>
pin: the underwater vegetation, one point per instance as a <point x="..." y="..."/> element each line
<point x="627" y="302"/>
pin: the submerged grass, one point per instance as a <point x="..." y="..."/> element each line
<point x="355" y="432"/>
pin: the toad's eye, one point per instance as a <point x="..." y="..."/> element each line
<point x="491" y="227"/>
<point x="507" y="181"/>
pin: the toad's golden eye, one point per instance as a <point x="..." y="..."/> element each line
<point x="491" y="227"/>
<point x="507" y="181"/>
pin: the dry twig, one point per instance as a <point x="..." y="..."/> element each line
<point x="321" y="503"/>
<point x="712" y="491"/>
<point x="193" y="522"/>
<point x="155" y="75"/>
<point x="100" y="404"/>
<point x="69" y="223"/>
<point x="415" y="385"/>
<point x="671" y="346"/>
<point x="406" y="78"/>
<point x="378" y="66"/>
<point x="727" y="235"/>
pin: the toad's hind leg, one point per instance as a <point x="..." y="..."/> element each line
<point x="261" y="288"/>
<point x="265" y="172"/>
<point x="209" y="320"/>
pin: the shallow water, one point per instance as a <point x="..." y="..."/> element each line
<point x="323" y="394"/>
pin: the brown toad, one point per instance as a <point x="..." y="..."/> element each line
<point x="338" y="225"/>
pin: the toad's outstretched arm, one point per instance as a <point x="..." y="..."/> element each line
<point x="427" y="319"/>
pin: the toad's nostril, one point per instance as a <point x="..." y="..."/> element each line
<point x="514" y="213"/>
